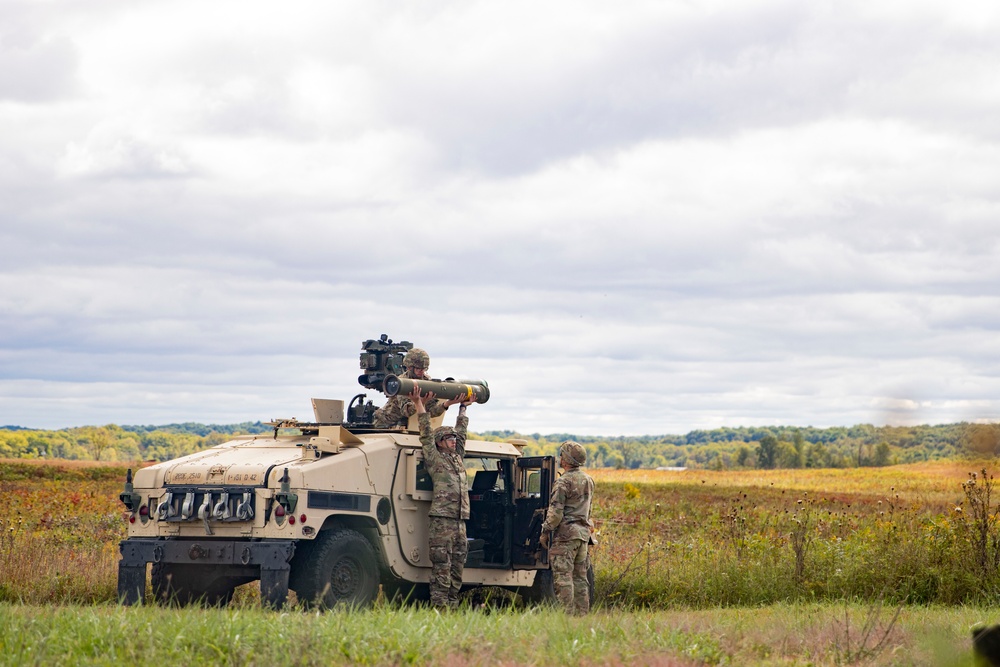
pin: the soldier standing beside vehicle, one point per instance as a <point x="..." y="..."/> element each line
<point x="444" y="459"/>
<point x="398" y="409"/>
<point x="567" y="527"/>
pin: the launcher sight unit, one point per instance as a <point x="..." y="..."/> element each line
<point x="380" y="359"/>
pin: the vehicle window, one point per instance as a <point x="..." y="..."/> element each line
<point x="423" y="478"/>
<point x="534" y="483"/>
<point x="488" y="472"/>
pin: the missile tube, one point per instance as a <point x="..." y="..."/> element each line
<point x="445" y="389"/>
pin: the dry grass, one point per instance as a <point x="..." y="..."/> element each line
<point x="59" y="537"/>
<point x="936" y="480"/>
<point x="75" y="464"/>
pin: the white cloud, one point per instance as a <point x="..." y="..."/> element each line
<point x="643" y="218"/>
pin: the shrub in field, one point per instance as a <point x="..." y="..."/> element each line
<point x="60" y="540"/>
<point x="978" y="525"/>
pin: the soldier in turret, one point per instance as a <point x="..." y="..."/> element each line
<point x="444" y="452"/>
<point x="566" y="531"/>
<point x="398" y="409"/>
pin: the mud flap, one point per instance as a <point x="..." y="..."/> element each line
<point x="131" y="583"/>
<point x="274" y="587"/>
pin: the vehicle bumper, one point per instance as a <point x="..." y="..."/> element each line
<point x="272" y="557"/>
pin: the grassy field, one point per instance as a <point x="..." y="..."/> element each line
<point x="887" y="566"/>
<point x="798" y="634"/>
<point x="904" y="534"/>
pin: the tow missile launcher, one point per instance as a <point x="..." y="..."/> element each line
<point x="331" y="509"/>
<point x="448" y="388"/>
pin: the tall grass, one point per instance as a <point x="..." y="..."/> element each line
<point x="683" y="539"/>
<point x="59" y="532"/>
<point x="908" y="534"/>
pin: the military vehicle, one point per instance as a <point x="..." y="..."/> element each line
<point x="333" y="509"/>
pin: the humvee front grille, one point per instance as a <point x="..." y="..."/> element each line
<point x="200" y="504"/>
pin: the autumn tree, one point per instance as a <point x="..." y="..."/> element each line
<point x="767" y="452"/>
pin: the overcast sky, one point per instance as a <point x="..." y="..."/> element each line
<point x="629" y="218"/>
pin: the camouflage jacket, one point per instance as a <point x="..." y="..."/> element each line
<point x="398" y="409"/>
<point x="569" y="506"/>
<point x="447" y="471"/>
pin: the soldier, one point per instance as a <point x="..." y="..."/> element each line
<point x="444" y="453"/>
<point x="398" y="409"/>
<point x="567" y="526"/>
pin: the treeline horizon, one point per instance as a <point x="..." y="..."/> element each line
<point x="720" y="449"/>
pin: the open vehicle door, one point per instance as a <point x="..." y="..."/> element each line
<point x="533" y="480"/>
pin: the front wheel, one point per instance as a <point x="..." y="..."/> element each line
<point x="340" y="570"/>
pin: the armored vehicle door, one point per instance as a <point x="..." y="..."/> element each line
<point x="508" y="499"/>
<point x="533" y="479"/>
<point x="490" y="509"/>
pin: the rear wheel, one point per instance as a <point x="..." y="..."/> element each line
<point x="543" y="592"/>
<point x="340" y="570"/>
<point x="180" y="584"/>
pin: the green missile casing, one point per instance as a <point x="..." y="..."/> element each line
<point x="446" y="389"/>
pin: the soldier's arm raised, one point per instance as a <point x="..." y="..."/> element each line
<point x="426" y="439"/>
<point x="462" y="423"/>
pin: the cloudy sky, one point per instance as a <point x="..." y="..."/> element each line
<point x="629" y="217"/>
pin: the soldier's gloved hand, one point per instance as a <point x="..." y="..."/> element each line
<point x="544" y="540"/>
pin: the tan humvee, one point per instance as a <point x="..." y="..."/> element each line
<point x="331" y="509"/>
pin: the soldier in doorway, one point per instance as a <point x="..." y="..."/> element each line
<point x="444" y="459"/>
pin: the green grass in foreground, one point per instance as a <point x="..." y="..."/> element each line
<point x="813" y="634"/>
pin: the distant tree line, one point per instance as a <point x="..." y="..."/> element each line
<point x="777" y="446"/>
<point x="722" y="448"/>
<point x="120" y="443"/>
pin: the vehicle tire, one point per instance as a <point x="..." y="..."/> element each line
<point x="182" y="585"/>
<point x="341" y="570"/>
<point x="407" y="593"/>
<point x="543" y="592"/>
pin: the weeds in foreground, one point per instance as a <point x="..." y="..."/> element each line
<point x="866" y="642"/>
<point x="802" y="535"/>
<point x="978" y="524"/>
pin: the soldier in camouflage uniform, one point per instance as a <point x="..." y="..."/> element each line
<point x="444" y="452"/>
<point x="398" y="409"/>
<point x="566" y="531"/>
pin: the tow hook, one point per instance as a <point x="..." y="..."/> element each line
<point x="244" y="511"/>
<point x="187" y="509"/>
<point x="203" y="513"/>
<point x="163" y="510"/>
<point x="221" y="510"/>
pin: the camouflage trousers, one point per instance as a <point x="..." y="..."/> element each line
<point x="569" y="561"/>
<point x="449" y="548"/>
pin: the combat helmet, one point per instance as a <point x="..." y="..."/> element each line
<point x="417" y="357"/>
<point x="574" y="452"/>
<point x="442" y="431"/>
